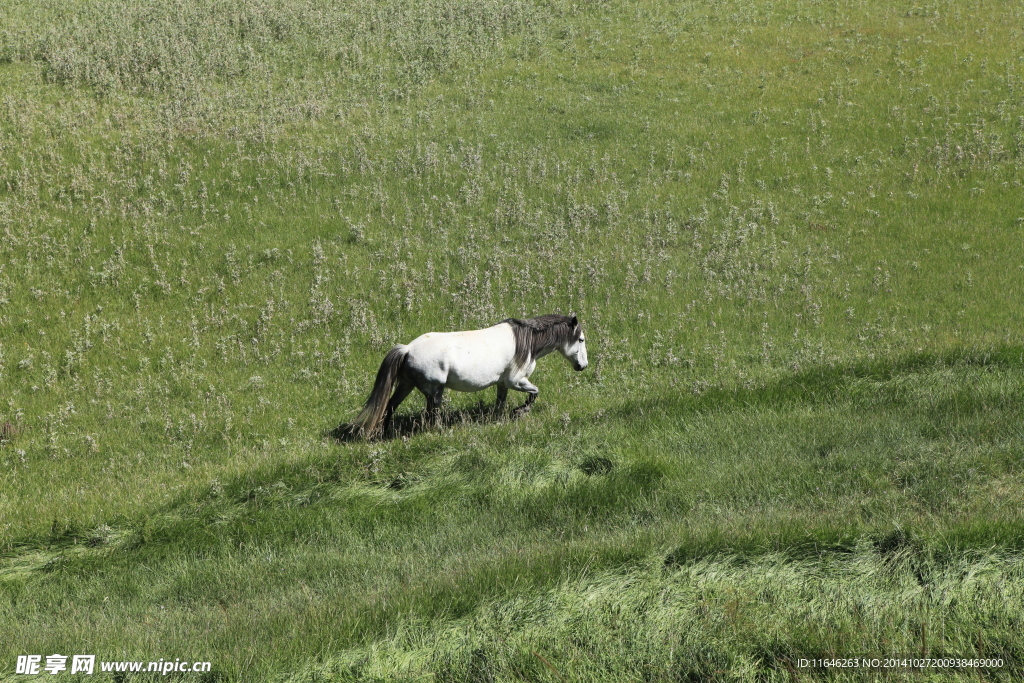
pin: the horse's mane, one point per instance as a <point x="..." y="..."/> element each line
<point x="534" y="336"/>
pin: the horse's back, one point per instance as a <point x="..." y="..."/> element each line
<point x="464" y="361"/>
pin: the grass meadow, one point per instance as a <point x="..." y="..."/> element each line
<point x="792" y="231"/>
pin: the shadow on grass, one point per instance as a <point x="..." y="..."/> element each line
<point x="828" y="383"/>
<point x="814" y="386"/>
<point x="407" y="425"/>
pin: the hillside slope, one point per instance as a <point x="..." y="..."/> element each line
<point x="792" y="233"/>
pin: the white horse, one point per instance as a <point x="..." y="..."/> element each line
<point x="503" y="355"/>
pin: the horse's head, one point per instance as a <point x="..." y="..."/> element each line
<point x="575" y="349"/>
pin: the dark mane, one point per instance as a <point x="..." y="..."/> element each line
<point x="535" y="336"/>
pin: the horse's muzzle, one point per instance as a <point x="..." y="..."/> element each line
<point x="577" y="367"/>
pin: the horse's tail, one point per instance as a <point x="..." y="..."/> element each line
<point x="368" y="422"/>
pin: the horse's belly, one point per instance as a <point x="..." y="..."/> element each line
<point x="463" y="361"/>
<point x="473" y="373"/>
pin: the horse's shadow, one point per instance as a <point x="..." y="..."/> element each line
<point x="407" y="425"/>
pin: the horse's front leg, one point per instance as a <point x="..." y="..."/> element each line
<point x="532" y="391"/>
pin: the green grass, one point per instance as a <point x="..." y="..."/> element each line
<point x="792" y="233"/>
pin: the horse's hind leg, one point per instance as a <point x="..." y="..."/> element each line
<point x="435" y="395"/>
<point x="401" y="392"/>
<point x="435" y="407"/>
<point x="499" y="405"/>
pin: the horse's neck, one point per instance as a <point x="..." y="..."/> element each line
<point x="544" y="351"/>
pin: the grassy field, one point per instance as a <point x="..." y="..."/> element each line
<point x="792" y="231"/>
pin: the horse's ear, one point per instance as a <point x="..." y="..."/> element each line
<point x="574" y="322"/>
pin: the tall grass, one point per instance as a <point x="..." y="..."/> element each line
<point x="791" y="231"/>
